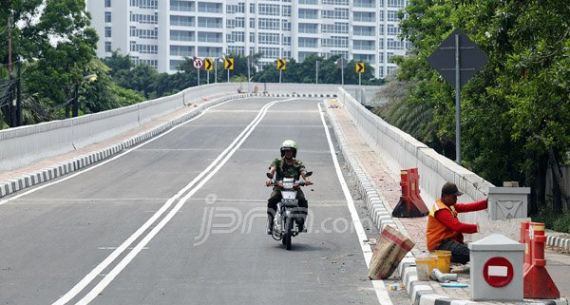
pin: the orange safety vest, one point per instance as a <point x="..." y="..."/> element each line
<point x="438" y="232"/>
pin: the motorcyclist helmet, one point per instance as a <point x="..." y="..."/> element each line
<point x="289" y="145"/>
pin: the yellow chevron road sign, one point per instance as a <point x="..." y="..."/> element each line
<point x="281" y="64"/>
<point x="360" y="67"/>
<point x="229" y="63"/>
<point x="208" y="64"/>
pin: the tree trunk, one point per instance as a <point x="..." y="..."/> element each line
<point x="537" y="181"/>
<point x="561" y="198"/>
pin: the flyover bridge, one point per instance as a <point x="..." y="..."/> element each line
<point x="164" y="202"/>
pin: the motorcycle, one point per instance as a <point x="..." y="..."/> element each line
<point x="285" y="222"/>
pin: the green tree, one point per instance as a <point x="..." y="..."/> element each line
<point x="515" y="111"/>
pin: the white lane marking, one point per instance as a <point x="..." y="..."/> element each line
<point x="113" y="248"/>
<point x="131" y="255"/>
<point x="379" y="287"/>
<point x="113" y="256"/>
<point x="271" y="111"/>
<point x="113" y="158"/>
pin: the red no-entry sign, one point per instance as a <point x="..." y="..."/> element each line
<point x="498" y="272"/>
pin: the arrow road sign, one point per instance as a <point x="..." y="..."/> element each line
<point x="198" y="63"/>
<point x="281" y="64"/>
<point x="471" y="58"/>
<point x="360" y="67"/>
<point x="208" y="64"/>
<point x="229" y="63"/>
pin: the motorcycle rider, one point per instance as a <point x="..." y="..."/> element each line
<point x="286" y="167"/>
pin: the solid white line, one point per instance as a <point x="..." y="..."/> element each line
<point x="379" y="287"/>
<point x="131" y="255"/>
<point x="112" y="159"/>
<point x="105" y="263"/>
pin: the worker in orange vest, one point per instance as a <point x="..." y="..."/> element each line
<point x="444" y="230"/>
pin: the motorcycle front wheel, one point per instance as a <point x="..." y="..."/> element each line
<point x="288" y="233"/>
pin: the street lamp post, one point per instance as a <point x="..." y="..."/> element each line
<point x="248" y="76"/>
<point x="317" y="72"/>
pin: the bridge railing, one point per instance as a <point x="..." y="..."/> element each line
<point x="27" y="144"/>
<point x="24" y="145"/>
<point x="400" y="151"/>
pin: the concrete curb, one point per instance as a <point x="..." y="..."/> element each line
<point x="67" y="167"/>
<point x="309" y="95"/>
<point x="557" y="240"/>
<point x="374" y="200"/>
<point x="421" y="293"/>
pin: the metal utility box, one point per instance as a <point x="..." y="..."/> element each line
<point x="508" y="202"/>
<point x="496" y="269"/>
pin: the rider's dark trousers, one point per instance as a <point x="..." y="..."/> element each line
<point x="276" y="197"/>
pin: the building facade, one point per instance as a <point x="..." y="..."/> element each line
<point x="162" y="33"/>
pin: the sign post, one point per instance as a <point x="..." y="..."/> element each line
<point x="360" y="68"/>
<point x="229" y="65"/>
<point x="457" y="59"/>
<point x="208" y="66"/>
<point x="198" y="65"/>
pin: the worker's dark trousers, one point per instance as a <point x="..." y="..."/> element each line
<point x="459" y="251"/>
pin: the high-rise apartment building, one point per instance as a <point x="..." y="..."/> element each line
<point x="162" y="32"/>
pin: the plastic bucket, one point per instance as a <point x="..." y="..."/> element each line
<point x="424" y="266"/>
<point x="443" y="260"/>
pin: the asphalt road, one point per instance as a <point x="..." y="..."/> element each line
<point x="558" y="266"/>
<point x="181" y="220"/>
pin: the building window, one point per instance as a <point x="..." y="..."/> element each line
<point x="210" y="22"/>
<point x="182" y="6"/>
<point x="181" y="20"/>
<point x="269" y="9"/>
<point x="269" y="24"/>
<point x="336" y="2"/>
<point x="365" y="3"/>
<point x="209" y="52"/>
<point x="269" y="38"/>
<point x="286" y="11"/>
<point x="145" y="4"/>
<point x="393" y="30"/>
<point x="364" y="31"/>
<point x="107" y="17"/>
<point x="107" y="3"/>
<point x="363" y="45"/>
<point x="308" y="14"/>
<point x="269" y="52"/>
<point x="308" y="28"/>
<point x="393" y="16"/>
<point x="306" y="42"/>
<point x="107" y="31"/>
<point x="337" y="13"/>
<point x="181" y="50"/>
<point x="108" y="47"/>
<point x="396" y="3"/>
<point x="206" y="7"/>
<point x="176" y="35"/>
<point x="236" y="50"/>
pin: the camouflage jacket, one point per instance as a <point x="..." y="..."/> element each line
<point x="285" y="170"/>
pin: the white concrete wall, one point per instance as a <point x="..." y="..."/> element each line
<point x="24" y="145"/>
<point x="401" y="151"/>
